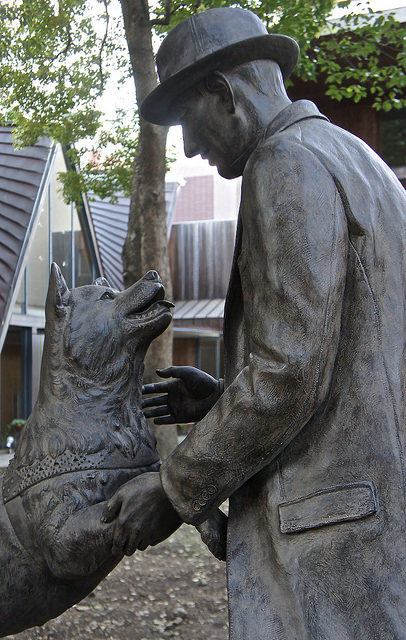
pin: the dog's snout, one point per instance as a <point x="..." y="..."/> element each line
<point x="153" y="275"/>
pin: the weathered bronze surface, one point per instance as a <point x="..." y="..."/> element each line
<point x="85" y="438"/>
<point x="308" y="437"/>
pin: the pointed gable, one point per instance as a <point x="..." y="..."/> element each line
<point x="22" y="177"/>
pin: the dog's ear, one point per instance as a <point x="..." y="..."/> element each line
<point x="102" y="282"/>
<point x="58" y="293"/>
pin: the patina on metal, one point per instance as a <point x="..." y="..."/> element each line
<point x="307" y="439"/>
<point x="85" y="437"/>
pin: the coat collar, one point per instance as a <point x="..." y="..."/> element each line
<point x="293" y="113"/>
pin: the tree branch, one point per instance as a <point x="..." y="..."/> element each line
<point x="103" y="42"/>
<point x="65" y="49"/>
<point x="167" y="17"/>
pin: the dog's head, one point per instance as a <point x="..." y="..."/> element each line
<point x="97" y="329"/>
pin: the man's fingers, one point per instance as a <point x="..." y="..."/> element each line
<point x="159" y="411"/>
<point x="177" y="372"/>
<point x="142" y="545"/>
<point x="157" y="401"/>
<point x="166" y="373"/>
<point x="166" y="420"/>
<point x="155" y="387"/>
<point x="132" y="543"/>
<point x="112" y="509"/>
<point x="119" y="541"/>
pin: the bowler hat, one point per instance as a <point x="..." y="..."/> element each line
<point x="213" y="39"/>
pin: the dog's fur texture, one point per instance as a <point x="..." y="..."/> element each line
<point x="85" y="437"/>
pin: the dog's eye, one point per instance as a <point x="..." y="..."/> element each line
<point x="107" y="295"/>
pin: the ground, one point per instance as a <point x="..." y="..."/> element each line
<point x="175" y="590"/>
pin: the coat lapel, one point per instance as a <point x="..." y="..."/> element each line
<point x="234" y="268"/>
<point x="293" y="113"/>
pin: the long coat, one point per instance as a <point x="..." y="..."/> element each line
<point x="308" y="437"/>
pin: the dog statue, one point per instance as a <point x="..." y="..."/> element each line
<point x="85" y="438"/>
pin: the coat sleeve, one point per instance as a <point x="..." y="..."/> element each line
<point x="292" y="269"/>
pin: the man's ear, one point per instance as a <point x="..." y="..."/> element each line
<point x="58" y="293"/>
<point x="216" y="82"/>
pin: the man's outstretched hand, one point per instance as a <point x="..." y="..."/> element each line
<point x="144" y="516"/>
<point x="189" y="396"/>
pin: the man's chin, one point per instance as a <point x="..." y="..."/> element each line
<point x="228" y="173"/>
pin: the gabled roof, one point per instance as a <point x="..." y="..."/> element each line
<point x="23" y="175"/>
<point x="200" y="309"/>
<point x="110" y="221"/>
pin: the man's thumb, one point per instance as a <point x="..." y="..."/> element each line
<point x="111" y="510"/>
<point x="165" y="373"/>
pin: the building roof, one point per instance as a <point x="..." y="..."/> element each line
<point x="110" y="221"/>
<point x="23" y="175"/>
<point x="199" y="309"/>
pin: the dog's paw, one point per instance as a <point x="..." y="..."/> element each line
<point x="213" y="532"/>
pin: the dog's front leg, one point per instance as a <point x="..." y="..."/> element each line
<point x="82" y="545"/>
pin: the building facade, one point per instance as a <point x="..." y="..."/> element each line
<point x="36" y="228"/>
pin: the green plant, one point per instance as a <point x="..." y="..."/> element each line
<point x="15" y="426"/>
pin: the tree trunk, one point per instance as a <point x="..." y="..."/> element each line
<point x="146" y="245"/>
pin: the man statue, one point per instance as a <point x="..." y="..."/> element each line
<point x="307" y="437"/>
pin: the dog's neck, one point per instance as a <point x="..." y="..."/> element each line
<point x="80" y="390"/>
<point x="84" y="416"/>
<point x="90" y="427"/>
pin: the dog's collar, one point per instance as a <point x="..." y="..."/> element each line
<point x="19" y="478"/>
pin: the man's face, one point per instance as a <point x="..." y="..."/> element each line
<point x="209" y="130"/>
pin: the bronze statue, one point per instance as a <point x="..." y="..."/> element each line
<point x="85" y="437"/>
<point x="307" y="438"/>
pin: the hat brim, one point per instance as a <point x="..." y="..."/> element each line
<point x="284" y="50"/>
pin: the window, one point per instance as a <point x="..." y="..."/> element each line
<point x="37" y="272"/>
<point x="16" y="388"/>
<point x="393" y="137"/>
<point x="82" y="262"/>
<point x="58" y="237"/>
<point x="61" y="224"/>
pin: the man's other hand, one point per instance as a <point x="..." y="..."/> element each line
<point x="189" y="396"/>
<point x="143" y="514"/>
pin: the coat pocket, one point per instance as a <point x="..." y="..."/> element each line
<point x="328" y="506"/>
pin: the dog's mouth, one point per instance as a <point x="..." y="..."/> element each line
<point x="151" y="309"/>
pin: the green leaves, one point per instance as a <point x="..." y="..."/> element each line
<point x="58" y="56"/>
<point x="50" y="71"/>
<point x="103" y="166"/>
<point x="363" y="57"/>
<point x="359" y="56"/>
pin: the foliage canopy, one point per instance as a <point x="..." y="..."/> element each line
<point x="59" y="56"/>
